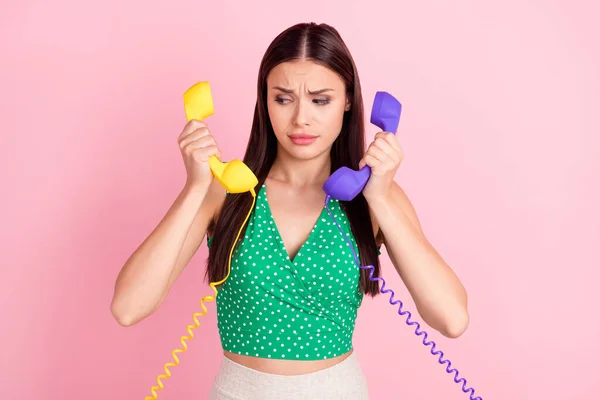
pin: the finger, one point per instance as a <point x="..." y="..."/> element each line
<point x="204" y="153"/>
<point x="204" y="141"/>
<point x="391" y="146"/>
<point x="379" y="154"/>
<point x="361" y="163"/>
<point x="372" y="162"/>
<point x="386" y="147"/>
<point x="196" y="135"/>
<point x="389" y="138"/>
<point x="191" y="126"/>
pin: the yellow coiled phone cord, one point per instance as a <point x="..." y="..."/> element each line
<point x="236" y="177"/>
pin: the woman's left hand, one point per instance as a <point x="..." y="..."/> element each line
<point x="384" y="156"/>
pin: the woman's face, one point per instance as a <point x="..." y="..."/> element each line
<point x="306" y="104"/>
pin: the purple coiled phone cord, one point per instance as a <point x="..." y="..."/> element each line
<point x="418" y="330"/>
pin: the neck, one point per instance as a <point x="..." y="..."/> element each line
<point x="300" y="173"/>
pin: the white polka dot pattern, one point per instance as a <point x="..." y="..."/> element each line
<point x="305" y="309"/>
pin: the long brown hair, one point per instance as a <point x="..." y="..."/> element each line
<point x="321" y="44"/>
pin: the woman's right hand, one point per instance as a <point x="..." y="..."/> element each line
<point x="197" y="144"/>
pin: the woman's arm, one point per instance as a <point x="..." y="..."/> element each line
<point x="440" y="297"/>
<point x="438" y="294"/>
<point x="149" y="273"/>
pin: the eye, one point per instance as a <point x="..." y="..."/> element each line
<point x="321" y="101"/>
<point x="281" y="100"/>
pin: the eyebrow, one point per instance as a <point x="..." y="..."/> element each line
<point x="290" y="91"/>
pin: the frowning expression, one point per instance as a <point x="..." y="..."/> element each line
<point x="306" y="103"/>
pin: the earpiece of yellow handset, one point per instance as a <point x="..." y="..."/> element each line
<point x="234" y="175"/>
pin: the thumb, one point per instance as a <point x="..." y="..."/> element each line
<point x="361" y="163"/>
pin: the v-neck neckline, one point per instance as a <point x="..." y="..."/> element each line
<point x="278" y="233"/>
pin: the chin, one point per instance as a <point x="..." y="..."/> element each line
<point x="305" y="152"/>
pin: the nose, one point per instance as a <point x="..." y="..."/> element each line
<point x="302" y="115"/>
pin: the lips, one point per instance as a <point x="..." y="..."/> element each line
<point x="302" y="138"/>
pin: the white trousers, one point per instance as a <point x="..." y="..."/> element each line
<point x="343" y="381"/>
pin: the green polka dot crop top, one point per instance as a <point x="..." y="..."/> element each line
<point x="305" y="309"/>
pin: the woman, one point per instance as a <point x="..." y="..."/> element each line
<point x="286" y="313"/>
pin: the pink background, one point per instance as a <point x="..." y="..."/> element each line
<point x="501" y="135"/>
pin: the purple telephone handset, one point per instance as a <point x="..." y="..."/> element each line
<point x="345" y="183"/>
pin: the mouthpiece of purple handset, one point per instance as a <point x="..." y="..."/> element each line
<point x="345" y="183"/>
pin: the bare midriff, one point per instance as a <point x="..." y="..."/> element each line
<point x="285" y="367"/>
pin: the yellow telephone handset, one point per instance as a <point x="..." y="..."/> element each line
<point x="235" y="176"/>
